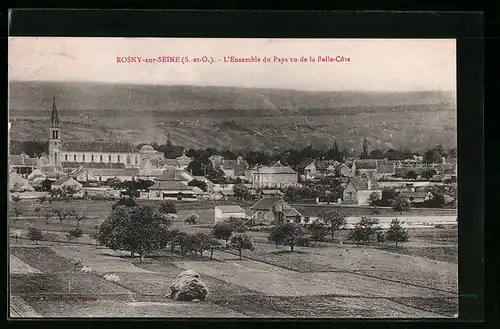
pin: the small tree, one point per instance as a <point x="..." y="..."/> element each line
<point x="241" y="241"/>
<point x="16" y="198"/>
<point x="374" y="199"/>
<point x="192" y="218"/>
<point x="214" y="245"/>
<point x="292" y="234"/>
<point x="317" y="231"/>
<point x="396" y="232"/>
<point x="364" y="229"/>
<point x="127" y="202"/>
<point x="333" y="220"/>
<point x="400" y="204"/>
<point x="35" y="234"/>
<point x="42" y="199"/>
<point x="16" y="212"/>
<point x="61" y="214"/>
<point x="411" y="174"/>
<point x="275" y="236"/>
<point x="167" y="207"/>
<point x="36" y="210"/>
<point x="76" y="233"/>
<point x="47" y="216"/>
<point x="203" y="242"/>
<point x="182" y="240"/>
<point x="241" y="192"/>
<point x="222" y="230"/>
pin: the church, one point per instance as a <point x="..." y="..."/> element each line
<point x="96" y="154"/>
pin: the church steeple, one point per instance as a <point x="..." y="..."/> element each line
<point x="54" y="119"/>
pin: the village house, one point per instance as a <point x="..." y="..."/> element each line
<point x="231" y="168"/>
<point x="171" y="190"/>
<point x="344" y="170"/>
<point x="172" y="185"/>
<point x="222" y="213"/>
<point x="102" y="175"/>
<point x="19" y="184"/>
<point x="22" y="164"/>
<point x="416" y="196"/>
<point x="274" y="211"/>
<point x="276" y="176"/>
<point x="66" y="182"/>
<point x="366" y="168"/>
<point x="37" y="176"/>
<point x="358" y="190"/>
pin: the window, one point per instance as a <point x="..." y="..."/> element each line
<point x="118" y="158"/>
<point x="109" y="158"/>
<point x="128" y="160"/>
<point x="83" y="157"/>
<point x="136" y="160"/>
<point x="158" y="194"/>
<point x="74" y="157"/>
<point x="55" y="157"/>
<point x="101" y="158"/>
<point x="65" y="157"/>
<point x="92" y="158"/>
<point x="57" y="134"/>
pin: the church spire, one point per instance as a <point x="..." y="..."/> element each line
<point x="54" y="119"/>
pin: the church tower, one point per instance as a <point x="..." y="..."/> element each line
<point x="54" y="138"/>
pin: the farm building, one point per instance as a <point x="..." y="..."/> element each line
<point x="274" y="210"/>
<point x="222" y="213"/>
<point x="231" y="168"/>
<point x="358" y="190"/>
<point x="171" y="190"/>
<point x="66" y="182"/>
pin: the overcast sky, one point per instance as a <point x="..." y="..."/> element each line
<point x="375" y="64"/>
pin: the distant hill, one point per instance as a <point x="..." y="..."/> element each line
<point x="232" y="117"/>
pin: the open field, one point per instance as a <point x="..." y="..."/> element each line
<point x="354" y="283"/>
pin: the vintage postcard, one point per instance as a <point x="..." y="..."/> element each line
<point x="232" y="178"/>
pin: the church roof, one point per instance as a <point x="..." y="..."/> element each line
<point x="94" y="146"/>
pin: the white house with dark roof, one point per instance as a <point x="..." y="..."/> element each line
<point x="276" y="176"/>
<point x="357" y="190"/>
<point x="274" y="210"/>
<point x="171" y="190"/>
<point x="66" y="182"/>
<point x="222" y="213"/>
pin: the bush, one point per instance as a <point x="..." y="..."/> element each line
<point x="192" y="218"/>
<point x="35" y="234"/>
<point x="127" y="202"/>
<point x="167" y="207"/>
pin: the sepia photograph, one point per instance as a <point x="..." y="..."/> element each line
<point x="232" y="178"/>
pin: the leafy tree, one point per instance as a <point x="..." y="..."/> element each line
<point x="381" y="237"/>
<point x="292" y="234"/>
<point x="374" y="199"/>
<point x="35" y="234"/>
<point x="400" y="204"/>
<point x="36" y="210"/>
<point x="202" y="242"/>
<point x="140" y="229"/>
<point x="241" y="192"/>
<point x="216" y="175"/>
<point x="411" y="175"/>
<point x="198" y="183"/>
<point x="42" y="199"/>
<point x="61" y="214"/>
<point x="214" y="245"/>
<point x="428" y="174"/>
<point x="76" y="233"/>
<point x="364" y="229"/>
<point x="46" y="185"/>
<point x="276" y="236"/>
<point x="222" y="230"/>
<point x="432" y="156"/>
<point x="127" y="202"/>
<point x="318" y="231"/>
<point x="333" y="220"/>
<point x="396" y="232"/>
<point x="437" y="200"/>
<point x="167" y="207"/>
<point x="257" y="157"/>
<point x="376" y="154"/>
<point x="241" y="241"/>
<point x="185" y="242"/>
